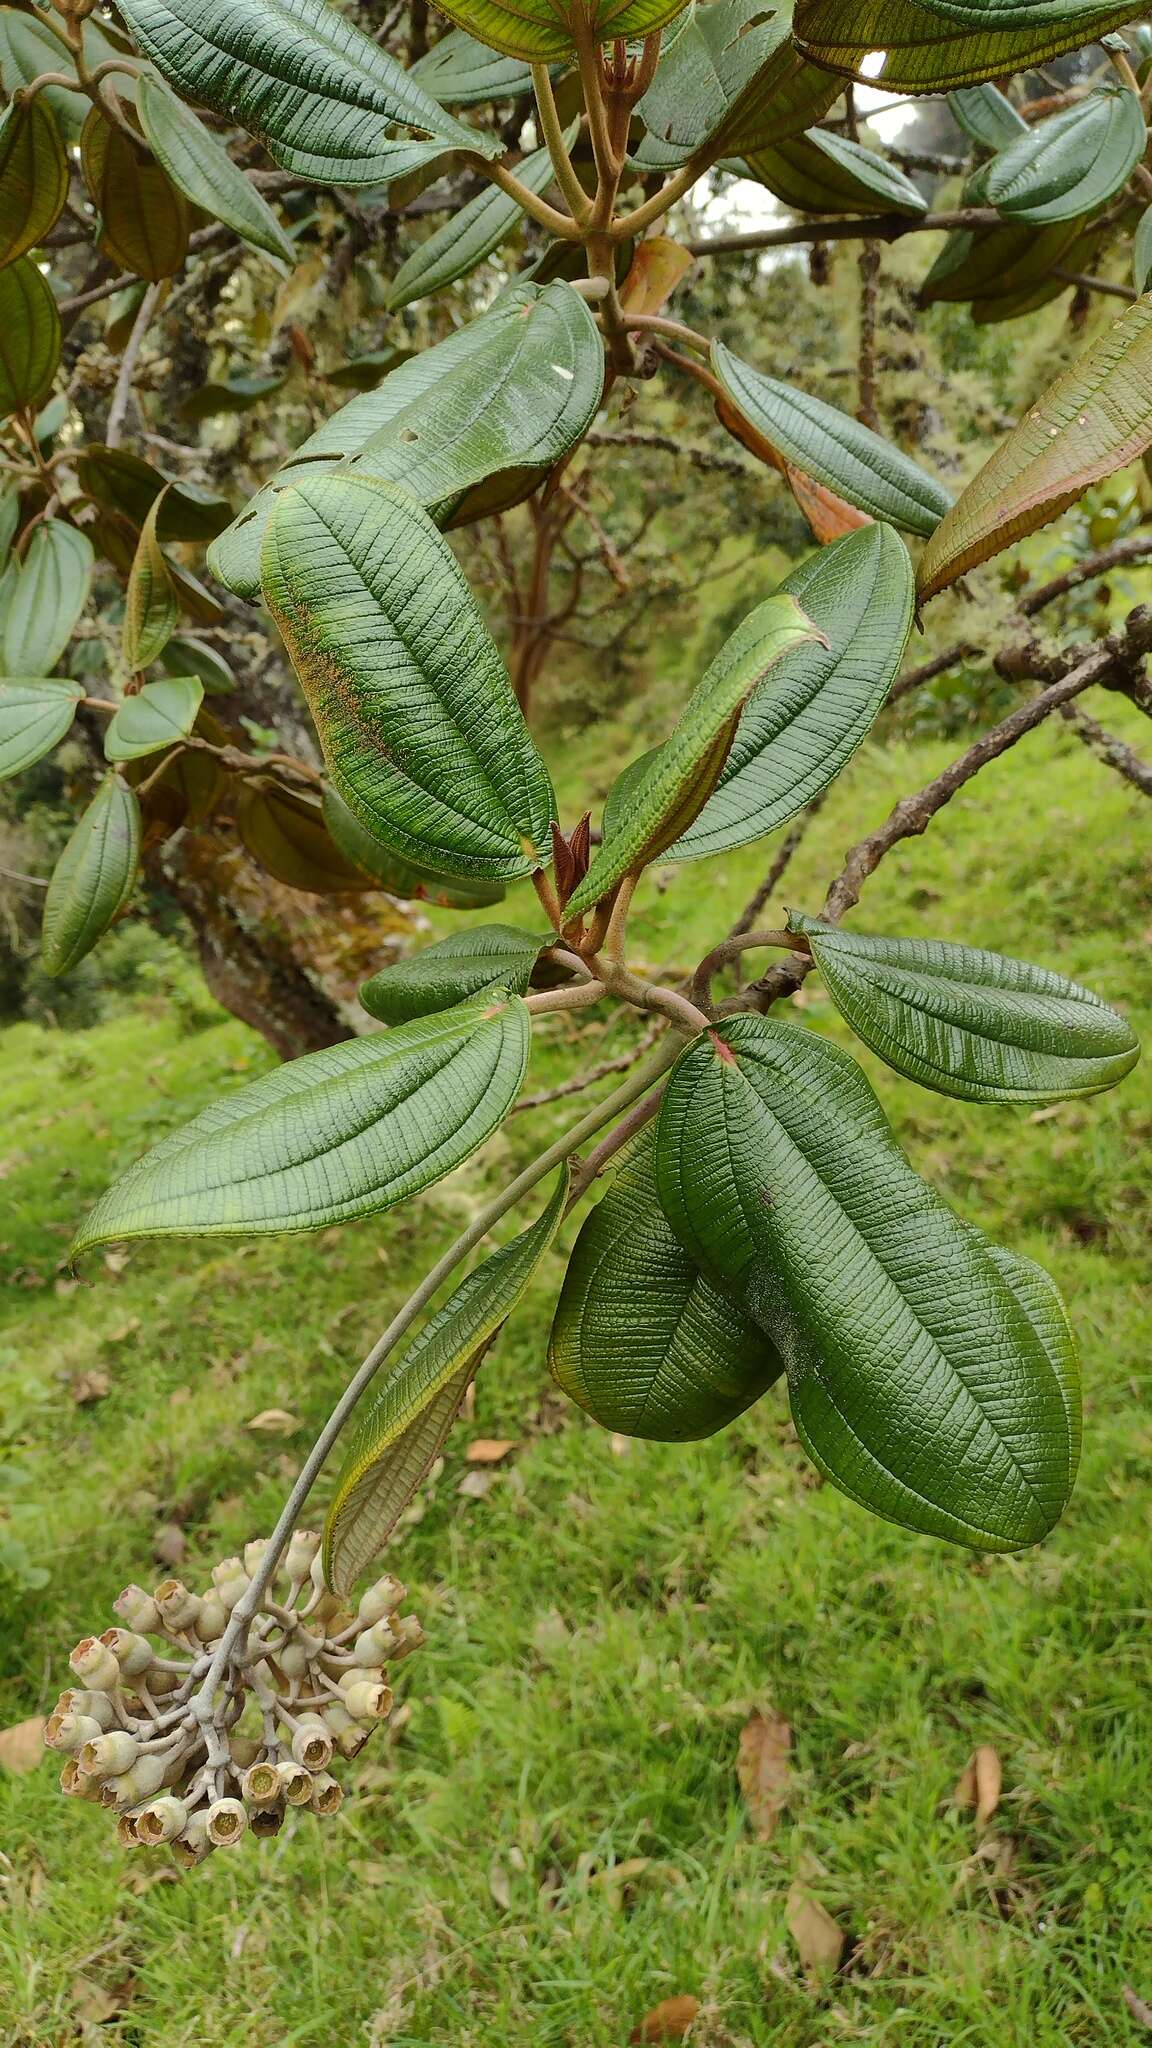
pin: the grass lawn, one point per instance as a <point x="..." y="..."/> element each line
<point x="602" y="1621"/>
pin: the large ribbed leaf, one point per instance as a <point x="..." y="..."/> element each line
<point x="680" y="775"/>
<point x="933" y="45"/>
<point x="460" y="72"/>
<point x="832" y="447"/>
<point x="642" y="1339"/>
<point x="1041" y="1301"/>
<point x="35" y="714"/>
<point x="27" y="50"/>
<point x="1072" y="163"/>
<point x="340" y="1133"/>
<point x="156" y="717"/>
<point x="144" y="220"/>
<point x="505" y="397"/>
<point x="483" y="956"/>
<point x="151" y="605"/>
<point x="403" y="1430"/>
<point x="202" y="169"/>
<point x="918" y="1381"/>
<point x="987" y="116"/>
<point x="378" y="861"/>
<point x="468" y="237"/>
<point x="33" y="177"/>
<point x="797" y="732"/>
<point x="287" y="833"/>
<point x="317" y="91"/>
<point x="125" y="483"/>
<point x="1009" y="263"/>
<point x="822" y="172"/>
<point x="50" y="593"/>
<point x="93" y="877"/>
<point x="1093" y="420"/>
<point x="421" y="731"/>
<point x="702" y="76"/>
<point x="30" y="336"/>
<point x="971" y="1023"/>
<point x="534" y="29"/>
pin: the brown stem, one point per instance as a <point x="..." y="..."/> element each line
<point x="700" y="989"/>
<point x="869" y="267"/>
<point x="883" y="227"/>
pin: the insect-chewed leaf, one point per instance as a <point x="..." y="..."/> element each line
<point x="151" y="605"/>
<point x="833" y="447"/>
<point x="705" y="71"/>
<point x="680" y="776"/>
<point x="918" y="1383"/>
<point x="317" y="91"/>
<point x="124" y="483"/>
<point x="1072" y="163"/>
<point x="30" y="336"/>
<point x="987" y="116"/>
<point x="485" y="956"/>
<point x="1093" y="420"/>
<point x="35" y="713"/>
<point x="410" y="1417"/>
<point x="33" y="177"/>
<point x="469" y="236"/>
<point x="93" y="877"/>
<point x="460" y="72"/>
<point x="935" y="45"/>
<point x="49" y="594"/>
<point x="201" y="168"/>
<point x="345" y="1132"/>
<point x="286" y="832"/>
<point x="144" y="220"/>
<point x="508" y="395"/>
<point x="398" y="876"/>
<point x="533" y="29"/>
<point x="796" y="733"/>
<point x="386" y="636"/>
<point x="968" y="1022"/>
<point x="156" y="717"/>
<point x="822" y="172"/>
<point x="642" y="1339"/>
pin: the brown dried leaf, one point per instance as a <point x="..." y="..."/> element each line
<point x="819" y="1941"/>
<point x="668" y="2021"/>
<point x="475" y="1485"/>
<point x="169" y="1544"/>
<point x="489" y="1450"/>
<point x="1139" y="2008"/>
<point x="88" y="1387"/>
<point x="763" y="1767"/>
<point x="980" y="1783"/>
<point x="658" y="266"/>
<point x="22" y="1745"/>
<point x="274" y="1422"/>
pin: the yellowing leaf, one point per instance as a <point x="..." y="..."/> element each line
<point x="819" y="1941"/>
<point x="763" y="1767"/>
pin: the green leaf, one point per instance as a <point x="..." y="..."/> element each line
<point x="642" y="1339"/>
<point x="697" y="97"/>
<point x="468" y="237"/>
<point x="506" y="396"/>
<point x="832" y="447"/>
<point x="317" y="91"/>
<point x="1013" y="263"/>
<point x="460" y="72"/>
<point x="345" y="1132"/>
<point x="33" y="177"/>
<point x="822" y="172"/>
<point x="159" y="715"/>
<point x="35" y="714"/>
<point x="919" y="1384"/>
<point x="971" y="1023"/>
<point x="30" y="337"/>
<point x="125" y="483"/>
<point x="365" y="372"/>
<point x="286" y="832"/>
<point x="151" y="605"/>
<point x="229" y="394"/>
<point x="398" y="876"/>
<point x="1142" y="250"/>
<point x="27" y="50"/>
<point x="1040" y="1299"/>
<point x="484" y="956"/>
<point x="144" y="220"/>
<point x="201" y="168"/>
<point x="986" y="116"/>
<point x="532" y="29"/>
<point x="681" y="775"/>
<point x="1072" y="163"/>
<point x="796" y="734"/>
<point x="187" y="657"/>
<point x="935" y="45"/>
<point x="1095" y="419"/>
<point x="404" y="1429"/>
<point x="93" y="878"/>
<point x="50" y="593"/>
<point x="384" y="633"/>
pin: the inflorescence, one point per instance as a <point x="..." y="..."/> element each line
<point x="197" y="1766"/>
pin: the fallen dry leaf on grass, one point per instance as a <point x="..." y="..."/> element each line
<point x="1139" y="2008"/>
<point x="668" y="2021"/>
<point x="475" y="1485"/>
<point x="763" y="1767"/>
<point x="489" y="1450"/>
<point x="169" y="1544"/>
<point x="22" y="1745"/>
<point x="274" y="1422"/>
<point x="819" y="1941"/>
<point x="88" y="1387"/>
<point x="980" y="1784"/>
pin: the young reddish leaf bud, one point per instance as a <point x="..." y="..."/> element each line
<point x="380" y="1600"/>
<point x="138" y="1610"/>
<point x="70" y="1731"/>
<point x="230" y="1580"/>
<point x="311" y="1743"/>
<point x="212" y="1619"/>
<point x="296" y="1783"/>
<point x="178" y="1607"/>
<point x="411" y="1637"/>
<point x="368" y="1701"/>
<point x="300" y="1554"/>
<point x="266" y="1820"/>
<point x="132" y="1652"/>
<point x="261" y="1785"/>
<point x="327" y="1796"/>
<point x="96" y="1705"/>
<point x="376" y="1644"/>
<point x="95" y="1665"/>
<point x="160" y="1822"/>
<point x="226" y="1822"/>
<point x="109" y="1756"/>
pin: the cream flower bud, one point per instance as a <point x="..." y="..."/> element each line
<point x="327" y="1603"/>
<point x="75" y="1784"/>
<point x="162" y="1820"/>
<point x="266" y="1820"/>
<point x="133" y="1653"/>
<point x="178" y="1607"/>
<point x="296" y="1783"/>
<point x="292" y="1659"/>
<point x="301" y="1553"/>
<point x="311" y="1743"/>
<point x="226" y="1822"/>
<point x="95" y="1665"/>
<point x="96" y="1705"/>
<point x="348" y="1735"/>
<point x="261" y="1785"/>
<point x="138" y="1610"/>
<point x="376" y="1644"/>
<point x="191" y="1847"/>
<point x="244" y="1750"/>
<point x="212" y="1619"/>
<point x="126" y="1833"/>
<point x="327" y="1795"/>
<point x="70" y="1731"/>
<point x="128" y="1788"/>
<point x="254" y="1555"/>
<point x="411" y="1637"/>
<point x="380" y="1600"/>
<point x="109" y="1756"/>
<point x="230" y="1580"/>
<point x="367" y="1701"/>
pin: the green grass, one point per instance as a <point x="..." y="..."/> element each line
<point x="602" y="1621"/>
